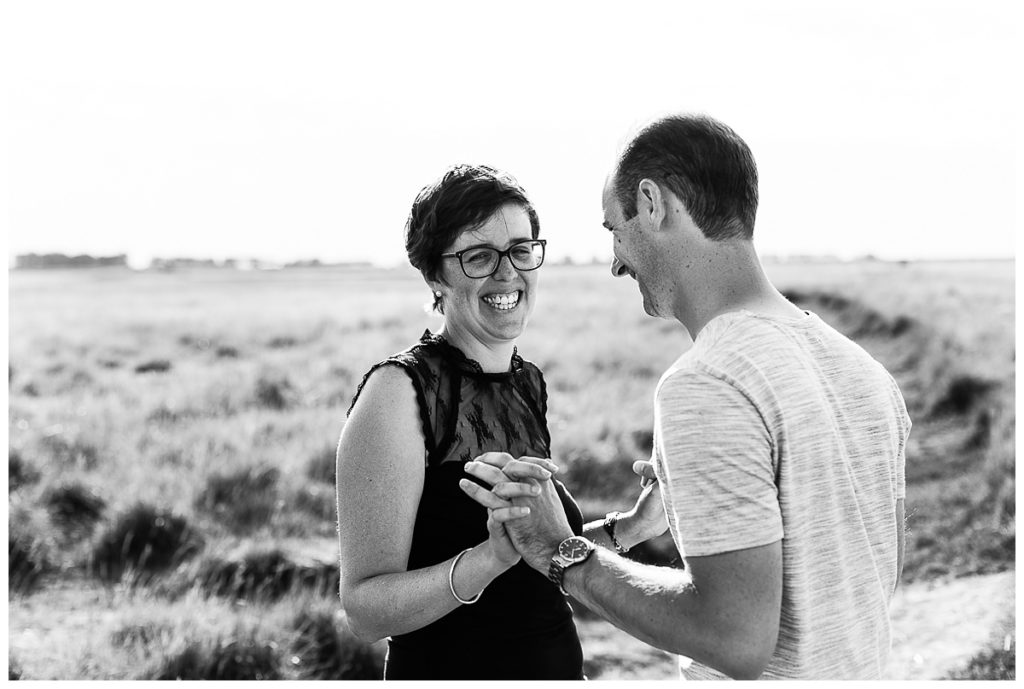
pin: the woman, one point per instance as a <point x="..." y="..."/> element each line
<point x="421" y="562"/>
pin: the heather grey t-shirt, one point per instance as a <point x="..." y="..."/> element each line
<point x="781" y="428"/>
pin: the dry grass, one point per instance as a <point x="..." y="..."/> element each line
<point x="216" y="397"/>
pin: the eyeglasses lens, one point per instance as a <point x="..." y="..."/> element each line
<point x="483" y="262"/>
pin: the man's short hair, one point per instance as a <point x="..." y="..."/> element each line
<point x="703" y="162"/>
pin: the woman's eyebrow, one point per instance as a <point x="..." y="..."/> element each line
<point x="491" y="246"/>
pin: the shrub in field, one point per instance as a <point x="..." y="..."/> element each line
<point x="588" y="476"/>
<point x="142" y="634"/>
<point x="154" y="366"/>
<point x="71" y="451"/>
<point x="245" y="499"/>
<point x="325" y="649"/>
<point x="282" y="342"/>
<point x="963" y="393"/>
<point x="242" y="658"/>
<point x="20" y="472"/>
<point x="142" y="541"/>
<point x="318" y="500"/>
<point x="29" y="554"/>
<point x="226" y="352"/>
<point x="273" y="391"/>
<point x="323" y="465"/>
<point x="996" y="663"/>
<point x="265" y="574"/>
<point x="13" y="669"/>
<point x="73" y="507"/>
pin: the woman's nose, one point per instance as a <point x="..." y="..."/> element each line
<point x="618" y="267"/>
<point x="505" y="269"/>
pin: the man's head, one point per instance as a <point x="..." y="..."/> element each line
<point x="700" y="160"/>
<point x="680" y="205"/>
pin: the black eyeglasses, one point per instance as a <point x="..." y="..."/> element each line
<point x="483" y="261"/>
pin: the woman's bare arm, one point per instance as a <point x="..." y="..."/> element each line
<point x="381" y="461"/>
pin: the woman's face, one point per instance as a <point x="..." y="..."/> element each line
<point x="491" y="310"/>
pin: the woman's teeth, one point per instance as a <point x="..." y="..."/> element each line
<point x="503" y="302"/>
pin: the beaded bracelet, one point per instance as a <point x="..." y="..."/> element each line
<point x="451" y="583"/>
<point x="609" y="526"/>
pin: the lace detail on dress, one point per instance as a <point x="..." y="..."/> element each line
<point x="466" y="411"/>
<point x="464" y="362"/>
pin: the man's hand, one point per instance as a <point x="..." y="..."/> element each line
<point x="647" y="518"/>
<point x="537" y="535"/>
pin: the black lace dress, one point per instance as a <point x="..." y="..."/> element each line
<point x="521" y="628"/>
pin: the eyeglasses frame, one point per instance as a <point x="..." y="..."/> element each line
<point x="507" y="253"/>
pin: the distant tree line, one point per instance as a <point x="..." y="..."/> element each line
<point x="36" y="261"/>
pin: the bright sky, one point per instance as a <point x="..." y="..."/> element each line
<point x="296" y="130"/>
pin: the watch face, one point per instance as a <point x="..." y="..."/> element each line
<point x="574" y="549"/>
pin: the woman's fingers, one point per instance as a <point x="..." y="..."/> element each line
<point x="510" y="489"/>
<point x="507" y="514"/>
<point x="482" y="495"/>
<point x="519" y="469"/>
<point x="487" y="473"/>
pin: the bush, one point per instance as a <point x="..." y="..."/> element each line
<point x="19" y="471"/>
<point x="13" y="669"/>
<point x="244" y="500"/>
<point x="325" y="649"/>
<point x="70" y="452"/>
<point x="265" y="574"/>
<point x="154" y="366"/>
<point x="322" y="466"/>
<point x="73" y="507"/>
<point x="244" y="658"/>
<point x="143" y="541"/>
<point x="963" y="393"/>
<point x="272" y="392"/>
<point x="25" y="565"/>
<point x="318" y="500"/>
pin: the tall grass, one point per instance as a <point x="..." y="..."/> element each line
<point x="172" y="439"/>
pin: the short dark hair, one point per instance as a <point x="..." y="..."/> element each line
<point x="463" y="198"/>
<point x="703" y="162"/>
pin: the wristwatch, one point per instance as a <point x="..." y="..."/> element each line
<point x="571" y="551"/>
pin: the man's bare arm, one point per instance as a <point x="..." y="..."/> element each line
<point x="723" y="611"/>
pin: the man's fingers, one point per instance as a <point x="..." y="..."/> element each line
<point x="510" y="489"/>
<point x="519" y="469"/>
<point x="542" y="461"/>
<point x="486" y="472"/>
<point x="496" y="459"/>
<point x="507" y="514"/>
<point x="645" y="470"/>
<point x="482" y="495"/>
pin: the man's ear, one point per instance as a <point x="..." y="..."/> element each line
<point x="650" y="203"/>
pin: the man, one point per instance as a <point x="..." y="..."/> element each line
<point x="778" y="445"/>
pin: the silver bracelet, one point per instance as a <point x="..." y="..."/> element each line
<point x="451" y="583"/>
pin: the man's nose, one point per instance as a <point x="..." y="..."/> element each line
<point x="618" y="267"/>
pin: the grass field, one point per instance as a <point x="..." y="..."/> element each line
<point x="171" y="497"/>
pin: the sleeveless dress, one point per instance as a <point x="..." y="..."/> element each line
<point x="521" y="627"/>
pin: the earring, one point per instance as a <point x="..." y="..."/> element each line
<point x="437" y="293"/>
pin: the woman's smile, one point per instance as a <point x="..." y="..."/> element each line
<point x="507" y="301"/>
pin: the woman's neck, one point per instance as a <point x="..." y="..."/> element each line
<point x="493" y="358"/>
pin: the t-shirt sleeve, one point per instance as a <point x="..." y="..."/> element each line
<point x="905" y="424"/>
<point x="716" y="455"/>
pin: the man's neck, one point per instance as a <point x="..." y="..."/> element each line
<point x="731" y="279"/>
